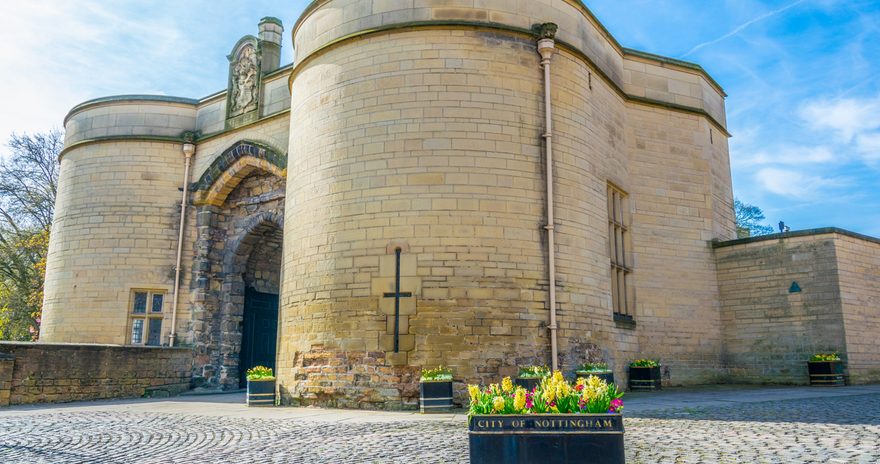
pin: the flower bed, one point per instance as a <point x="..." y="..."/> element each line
<point x="509" y="424"/>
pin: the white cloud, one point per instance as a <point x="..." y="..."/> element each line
<point x="847" y="118"/>
<point x="57" y="54"/>
<point x="869" y="146"/>
<point x="790" y="156"/>
<point x="794" y="184"/>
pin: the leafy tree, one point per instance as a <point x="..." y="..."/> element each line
<point x="748" y="220"/>
<point x="28" y="185"/>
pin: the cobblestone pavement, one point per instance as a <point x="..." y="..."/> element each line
<point x="817" y="430"/>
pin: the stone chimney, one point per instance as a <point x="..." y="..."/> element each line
<point x="271" y="32"/>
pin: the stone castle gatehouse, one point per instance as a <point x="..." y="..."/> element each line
<point x="381" y="205"/>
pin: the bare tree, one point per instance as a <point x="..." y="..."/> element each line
<point x="28" y="185"/>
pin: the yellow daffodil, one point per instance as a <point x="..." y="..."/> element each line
<point x="474" y="391"/>
<point x="519" y="399"/>
<point x="506" y="385"/>
<point x="498" y="403"/>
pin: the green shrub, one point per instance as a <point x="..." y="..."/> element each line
<point x="534" y="372"/>
<point x="438" y="374"/>
<point x="593" y="367"/>
<point x="260" y="373"/>
<point x="644" y="363"/>
<point x="825" y="357"/>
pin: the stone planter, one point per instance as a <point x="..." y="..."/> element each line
<point x="826" y="373"/>
<point x="607" y="376"/>
<point x="529" y="383"/>
<point x="644" y="378"/>
<point x="435" y="397"/>
<point x="547" y="438"/>
<point x="261" y="392"/>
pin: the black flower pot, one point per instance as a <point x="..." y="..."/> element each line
<point x="528" y="383"/>
<point x="607" y="376"/>
<point x="547" y="438"/>
<point x="261" y="392"/>
<point x="435" y="397"/>
<point x="826" y="373"/>
<point x="644" y="378"/>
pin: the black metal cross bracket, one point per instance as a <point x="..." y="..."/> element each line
<point x="397" y="295"/>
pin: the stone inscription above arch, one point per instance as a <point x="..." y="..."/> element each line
<point x="233" y="165"/>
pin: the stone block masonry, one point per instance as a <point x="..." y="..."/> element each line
<point x="57" y="373"/>
<point x="772" y="326"/>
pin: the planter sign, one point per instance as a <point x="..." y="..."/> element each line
<point x="547" y="438"/>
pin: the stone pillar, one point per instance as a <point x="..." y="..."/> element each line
<point x="204" y="311"/>
<point x="271" y="31"/>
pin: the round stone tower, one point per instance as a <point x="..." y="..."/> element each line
<point x="415" y="229"/>
<point x="115" y="227"/>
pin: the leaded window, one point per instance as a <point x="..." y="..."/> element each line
<point x="620" y="253"/>
<point x="146" y="314"/>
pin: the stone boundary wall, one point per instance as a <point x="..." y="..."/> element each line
<point x="771" y="327"/>
<point x="859" y="273"/>
<point x="769" y="330"/>
<point x="58" y="373"/>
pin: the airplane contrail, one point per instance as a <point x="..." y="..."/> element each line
<point x="744" y="25"/>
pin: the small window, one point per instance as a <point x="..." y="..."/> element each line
<point x="158" y="298"/>
<point x="146" y="326"/>
<point x="619" y="250"/>
<point x="140" y="302"/>
<point x="137" y="331"/>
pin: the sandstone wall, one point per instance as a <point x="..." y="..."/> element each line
<point x="436" y="149"/>
<point x="640" y="75"/>
<point x="770" y="332"/>
<point x="57" y="373"/>
<point x="859" y="273"/>
<point x="681" y="201"/>
<point x="115" y="229"/>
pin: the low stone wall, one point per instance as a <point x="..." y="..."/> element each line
<point x="787" y="296"/>
<point x="770" y="329"/>
<point x="57" y="373"/>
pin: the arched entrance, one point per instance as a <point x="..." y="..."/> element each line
<point x="249" y="300"/>
<point x="253" y="278"/>
<point x="237" y="264"/>
<point x="259" y="332"/>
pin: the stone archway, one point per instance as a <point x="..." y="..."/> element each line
<point x="240" y="201"/>
<point x="252" y="274"/>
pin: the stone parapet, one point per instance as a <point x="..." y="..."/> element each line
<point x="642" y="76"/>
<point x="57" y="373"/>
<point x="130" y="116"/>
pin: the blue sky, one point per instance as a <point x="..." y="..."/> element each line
<point x="802" y="75"/>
